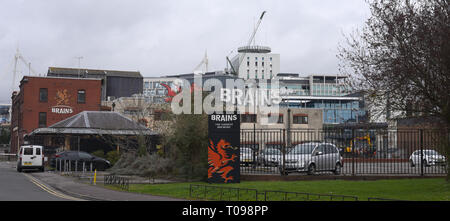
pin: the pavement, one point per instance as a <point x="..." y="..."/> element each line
<point x="83" y="190"/>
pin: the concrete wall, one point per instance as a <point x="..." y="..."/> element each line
<point x="315" y="120"/>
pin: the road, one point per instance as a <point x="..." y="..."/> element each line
<point x="15" y="186"/>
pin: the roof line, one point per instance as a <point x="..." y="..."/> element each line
<point x="86" y="119"/>
<point x="73" y="121"/>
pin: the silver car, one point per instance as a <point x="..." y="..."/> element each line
<point x="246" y="156"/>
<point x="429" y="158"/>
<point x="269" y="157"/>
<point x="311" y="158"/>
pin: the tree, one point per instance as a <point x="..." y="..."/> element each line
<point x="402" y="57"/>
<point x="5" y="136"/>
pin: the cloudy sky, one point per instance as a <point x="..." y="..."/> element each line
<point x="163" y="37"/>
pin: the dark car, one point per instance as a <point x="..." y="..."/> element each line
<point x="77" y="159"/>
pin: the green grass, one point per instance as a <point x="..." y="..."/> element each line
<point x="430" y="189"/>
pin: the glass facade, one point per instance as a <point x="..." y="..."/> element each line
<point x="154" y="91"/>
<point x="329" y="93"/>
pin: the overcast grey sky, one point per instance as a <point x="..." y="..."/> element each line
<point x="170" y="36"/>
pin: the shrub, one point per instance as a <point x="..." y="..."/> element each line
<point x="99" y="153"/>
<point x="113" y="156"/>
<point x="154" y="165"/>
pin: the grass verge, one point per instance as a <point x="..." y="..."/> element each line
<point x="430" y="189"/>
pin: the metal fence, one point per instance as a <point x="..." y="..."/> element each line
<point x="344" y="152"/>
<point x="121" y="181"/>
<point x="68" y="166"/>
<point x="225" y="193"/>
<point x="8" y="157"/>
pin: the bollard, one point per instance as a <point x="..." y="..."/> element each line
<point x="95" y="177"/>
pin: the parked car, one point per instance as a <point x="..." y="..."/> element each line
<point x="311" y="158"/>
<point x="270" y="157"/>
<point x="30" y="157"/>
<point x="247" y="156"/>
<point x="98" y="163"/>
<point x="429" y="158"/>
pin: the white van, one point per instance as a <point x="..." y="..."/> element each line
<point x="30" y="157"/>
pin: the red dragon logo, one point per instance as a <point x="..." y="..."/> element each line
<point x="171" y="94"/>
<point x="219" y="159"/>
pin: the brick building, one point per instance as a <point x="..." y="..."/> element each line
<point x="43" y="101"/>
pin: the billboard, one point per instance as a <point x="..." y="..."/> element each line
<point x="223" y="148"/>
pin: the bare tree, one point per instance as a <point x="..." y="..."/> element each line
<point x="401" y="58"/>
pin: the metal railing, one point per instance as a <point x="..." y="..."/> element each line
<point x="348" y="152"/>
<point x="222" y="193"/>
<point x="121" y="181"/>
<point x="8" y="157"/>
<point x="73" y="166"/>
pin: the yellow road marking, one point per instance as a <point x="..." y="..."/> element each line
<point x="49" y="190"/>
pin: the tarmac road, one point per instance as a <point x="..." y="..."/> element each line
<point x="15" y="186"/>
<point x="51" y="186"/>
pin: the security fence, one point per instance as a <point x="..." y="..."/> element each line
<point x="344" y="151"/>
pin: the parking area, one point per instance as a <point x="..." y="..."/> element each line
<point x="344" y="152"/>
<point x="391" y="168"/>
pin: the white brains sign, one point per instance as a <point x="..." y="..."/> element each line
<point x="62" y="101"/>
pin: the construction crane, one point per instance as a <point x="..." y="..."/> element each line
<point x="252" y="37"/>
<point x="19" y="57"/>
<point x="204" y="63"/>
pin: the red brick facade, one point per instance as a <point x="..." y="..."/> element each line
<point x="44" y="101"/>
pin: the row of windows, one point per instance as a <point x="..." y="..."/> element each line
<point x="157" y="84"/>
<point x="256" y="58"/>
<point x="256" y="64"/>
<point x="262" y="74"/>
<point x="43" y="96"/>
<point x="251" y="118"/>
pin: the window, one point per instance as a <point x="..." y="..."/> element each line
<point x="38" y="151"/>
<point x="256" y="64"/>
<point x="43" y="95"/>
<point x="28" y="151"/>
<point x="332" y="149"/>
<point x="248" y="118"/>
<point x="300" y="119"/>
<point x="320" y="148"/>
<point x="81" y="96"/>
<point x="42" y="119"/>
<point x="84" y="155"/>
